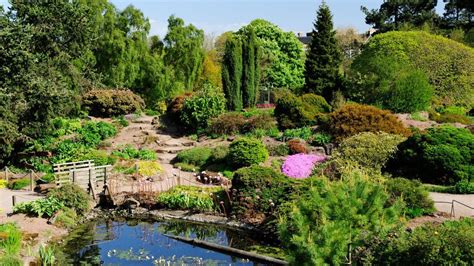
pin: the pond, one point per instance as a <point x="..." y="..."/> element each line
<point x="114" y="242"/>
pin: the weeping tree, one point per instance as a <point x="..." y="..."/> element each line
<point x="240" y="71"/>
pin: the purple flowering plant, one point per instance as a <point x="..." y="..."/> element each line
<point x="301" y="165"/>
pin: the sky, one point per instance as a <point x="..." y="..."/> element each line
<point x="218" y="16"/>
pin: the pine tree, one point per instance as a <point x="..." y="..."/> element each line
<point x="250" y="77"/>
<point x="232" y="74"/>
<point x="324" y="57"/>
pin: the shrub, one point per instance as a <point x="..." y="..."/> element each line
<point x="191" y="198"/>
<point x="19" y="184"/>
<point x="3" y="183"/>
<point x="129" y="152"/>
<point x="92" y="133"/>
<point x="448" y="65"/>
<point x="149" y="168"/>
<point x="258" y="192"/>
<point x="450" y="243"/>
<point x="99" y="157"/>
<point x="72" y="197"/>
<point x="199" y="109"/>
<point x="278" y="150"/>
<point x="262" y="121"/>
<point x="414" y="195"/>
<point x="247" y="151"/>
<point x="289" y="112"/>
<point x="450" y="118"/>
<point x="315" y="104"/>
<point x="43" y="207"/>
<point x="197" y="156"/>
<point x="368" y="149"/>
<point x="66" y="218"/>
<point x="464" y="187"/>
<point x="186" y="167"/>
<point x="176" y="105"/>
<point x="301" y="165"/>
<point x="227" y="124"/>
<point x="219" y="154"/>
<point x="327" y="219"/>
<point x="296" y="146"/>
<point x="352" y="119"/>
<point x="301" y="133"/>
<point x="442" y="155"/>
<point x="455" y="110"/>
<point x="320" y="139"/>
<point x="112" y="102"/>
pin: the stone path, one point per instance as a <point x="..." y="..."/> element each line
<point x="459" y="210"/>
<point x="21" y="196"/>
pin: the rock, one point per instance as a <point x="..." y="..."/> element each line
<point x="202" y="138"/>
<point x="230" y="138"/>
<point x="155" y="121"/>
<point x="131" y="203"/>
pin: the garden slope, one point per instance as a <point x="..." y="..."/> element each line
<point x="449" y="65"/>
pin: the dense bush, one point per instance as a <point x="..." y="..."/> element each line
<point x="327" y="219"/>
<point x="72" y="197"/>
<point x="191" y="198"/>
<point x="442" y="155"/>
<point x="320" y="139"/>
<point x="450" y="118"/>
<point x="247" y="151"/>
<point x="199" y="109"/>
<point x="314" y="104"/>
<point x="99" y="157"/>
<point x="304" y="133"/>
<point x="149" y="168"/>
<point x="464" y="187"/>
<point x="46" y="207"/>
<point x="92" y="133"/>
<point x="352" y="119"/>
<point x="448" y="65"/>
<point x="258" y="192"/>
<point x="219" y="154"/>
<point x="259" y="121"/>
<point x="197" y="156"/>
<point x="368" y="149"/>
<point x="296" y="146"/>
<point x="290" y="113"/>
<point x="413" y="194"/>
<point x="109" y="103"/>
<point x="451" y="243"/>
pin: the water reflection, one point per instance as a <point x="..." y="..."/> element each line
<point x="143" y="243"/>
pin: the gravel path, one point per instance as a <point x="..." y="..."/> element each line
<point x="459" y="209"/>
<point x="21" y="196"/>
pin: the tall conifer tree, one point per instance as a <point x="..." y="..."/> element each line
<point x="324" y="57"/>
<point x="232" y="74"/>
<point x="250" y="78"/>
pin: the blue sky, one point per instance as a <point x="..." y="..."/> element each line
<point x="217" y="16"/>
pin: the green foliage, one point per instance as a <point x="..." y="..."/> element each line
<point x="112" y="102"/>
<point x="352" y="119"/>
<point x="10" y="242"/>
<point x="19" y="184"/>
<point x="320" y="139"/>
<point x="367" y="149"/>
<point x="232" y="69"/>
<point x="304" y="133"/>
<point x="450" y="243"/>
<point x="183" y="51"/>
<point x="99" y="157"/>
<point x="71" y="196"/>
<point x="234" y="123"/>
<point x="250" y="69"/>
<point x="324" y="57"/>
<point x="247" y="151"/>
<point x="3" y="183"/>
<point x="450" y="118"/>
<point x="413" y="194"/>
<point x="92" y="133"/>
<point x="315" y="104"/>
<point x="282" y="55"/>
<point x="46" y="256"/>
<point x="464" y="187"/>
<point x="447" y="64"/>
<point x="323" y="222"/>
<point x="219" y="154"/>
<point x="149" y="168"/>
<point x="198" y="110"/>
<point x="191" y="198"/>
<point x="259" y="190"/>
<point x="442" y="155"/>
<point x="290" y="113"/>
<point x="128" y="152"/>
<point x="43" y="207"/>
<point x="197" y="156"/>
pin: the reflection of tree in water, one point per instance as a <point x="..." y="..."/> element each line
<point x="80" y="245"/>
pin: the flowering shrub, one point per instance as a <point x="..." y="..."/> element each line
<point x="301" y="165"/>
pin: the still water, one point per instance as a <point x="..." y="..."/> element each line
<point x="144" y="243"/>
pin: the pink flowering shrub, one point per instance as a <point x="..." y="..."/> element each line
<point x="301" y="165"/>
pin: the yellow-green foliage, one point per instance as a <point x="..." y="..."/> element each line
<point x="3" y="183"/>
<point x="149" y="168"/>
<point x="449" y="65"/>
<point x="192" y="198"/>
